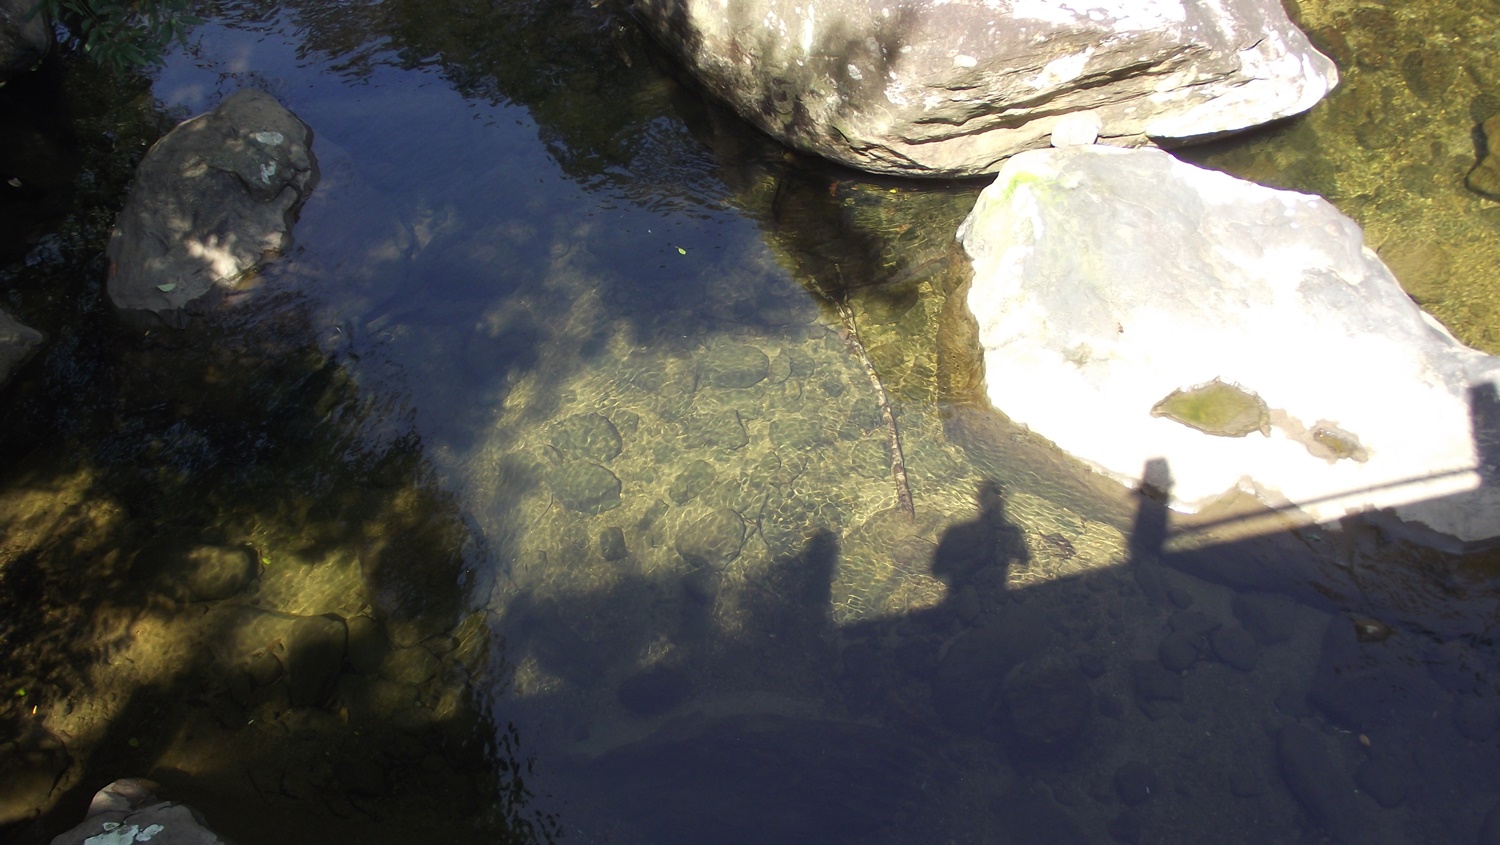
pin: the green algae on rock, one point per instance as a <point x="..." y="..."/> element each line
<point x="1216" y="408"/>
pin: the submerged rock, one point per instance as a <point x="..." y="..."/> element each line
<point x="1108" y="279"/>
<point x="943" y="88"/>
<point x="1484" y="179"/>
<point x="589" y="436"/>
<point x="17" y="343"/>
<point x="584" y="487"/>
<point x="211" y="201"/>
<point x="126" y="811"/>
<point x="713" y="541"/>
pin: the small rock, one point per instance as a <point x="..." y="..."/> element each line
<point x="198" y="572"/>
<point x="1484" y="179"/>
<point x="1177" y="651"/>
<point x="693" y="480"/>
<point x="713" y="541"/>
<point x="1236" y="647"/>
<point x="1048" y="706"/>
<point x="368" y="644"/>
<point x="590" y="437"/>
<point x="734" y="366"/>
<point x="612" y="543"/>
<point x="1135" y="782"/>
<point x="584" y="487"/>
<point x="722" y="430"/>
<point x="17" y="342"/>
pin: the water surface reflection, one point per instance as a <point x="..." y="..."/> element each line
<point x="573" y="512"/>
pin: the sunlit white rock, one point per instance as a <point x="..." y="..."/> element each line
<point x="952" y="87"/>
<point x="1104" y="279"/>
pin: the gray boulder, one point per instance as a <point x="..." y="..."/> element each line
<point x="952" y="87"/>
<point x="23" y="41"/>
<point x="17" y="342"/>
<point x="212" y="201"/>
<point x="127" y="811"/>
<point x="1106" y="280"/>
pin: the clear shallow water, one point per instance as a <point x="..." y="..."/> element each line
<point x="552" y="407"/>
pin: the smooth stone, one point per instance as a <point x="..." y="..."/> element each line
<point x="722" y="430"/>
<point x="1371" y="405"/>
<point x="191" y="572"/>
<point x="713" y="541"/>
<point x="1135" y="782"/>
<point x="17" y="343"/>
<point x="1484" y="179"/>
<point x="590" y="437"/>
<point x="693" y="480"/>
<point x="1177" y="651"/>
<point x="212" y="201"/>
<point x="1236" y="647"/>
<point x="1316" y="778"/>
<point x="368" y="644"/>
<point x="734" y="366"/>
<point x="584" y="487"/>
<point x="798" y="433"/>
<point x="612" y="543"/>
<point x="1048" y="707"/>
<point x="940" y="89"/>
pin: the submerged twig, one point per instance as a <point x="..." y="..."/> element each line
<point x="850" y="335"/>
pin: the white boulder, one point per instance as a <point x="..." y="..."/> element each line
<point x="1107" y="279"/>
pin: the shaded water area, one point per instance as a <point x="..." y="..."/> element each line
<point x="543" y="490"/>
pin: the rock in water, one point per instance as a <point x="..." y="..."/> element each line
<point x="211" y="201"/>
<point x="952" y="87"/>
<point x="1484" y="179"/>
<point x="17" y="342"/>
<point x="1108" y="279"/>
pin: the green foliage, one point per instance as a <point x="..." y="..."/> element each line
<point x="122" y="34"/>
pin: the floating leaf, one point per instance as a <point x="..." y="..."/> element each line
<point x="681" y="251"/>
<point x="167" y="288"/>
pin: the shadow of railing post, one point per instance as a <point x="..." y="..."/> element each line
<point x="1148" y="534"/>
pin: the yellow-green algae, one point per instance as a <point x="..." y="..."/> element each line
<point x="1216" y="408"/>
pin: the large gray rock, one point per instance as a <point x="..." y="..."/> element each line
<point x="24" y="39"/>
<point x="126" y="812"/>
<point x="952" y="87"/>
<point x="17" y="342"/>
<point x="212" y="201"/>
<point x="1106" y="280"/>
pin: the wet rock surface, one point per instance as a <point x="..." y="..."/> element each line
<point x="17" y="343"/>
<point x="212" y="201"/>
<point x="1484" y="179"/>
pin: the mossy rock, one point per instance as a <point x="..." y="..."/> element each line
<point x="1217" y="408"/>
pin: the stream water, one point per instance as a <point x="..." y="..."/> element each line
<point x="542" y="492"/>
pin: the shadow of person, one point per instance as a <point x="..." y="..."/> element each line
<point x="989" y="540"/>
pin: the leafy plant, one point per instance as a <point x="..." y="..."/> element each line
<point x="123" y="34"/>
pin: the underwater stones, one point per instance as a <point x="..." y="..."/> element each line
<point x="591" y="437"/>
<point x="1484" y="179"/>
<point x="195" y="572"/>
<point x="938" y="88"/>
<point x="17" y="342"/>
<point x="126" y="811"/>
<point x="1178" y="276"/>
<point x="1236" y="647"/>
<point x="1047" y="706"/>
<point x="583" y="486"/>
<point x="694" y="479"/>
<point x="733" y="366"/>
<point x="1315" y="776"/>
<point x="712" y="541"/>
<point x="1217" y="408"/>
<point x="211" y="202"/>
<point x="612" y="543"/>
<point x="719" y="430"/>
<point x="798" y="433"/>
